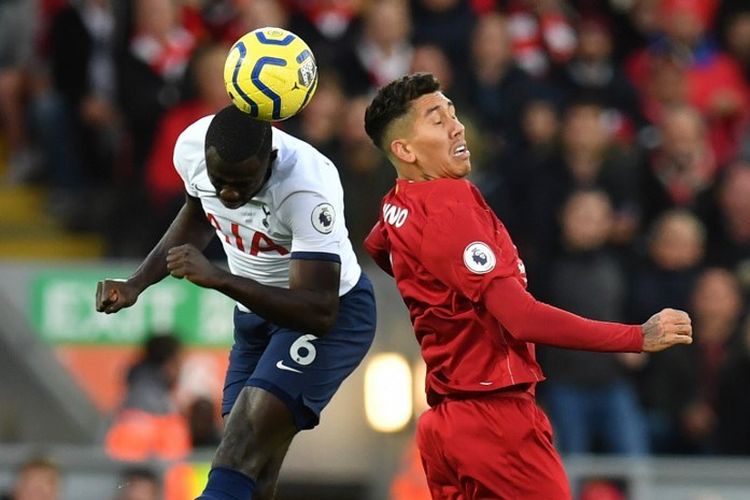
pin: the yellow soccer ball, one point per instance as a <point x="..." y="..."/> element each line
<point x="270" y="73"/>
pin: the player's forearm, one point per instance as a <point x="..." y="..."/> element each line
<point x="189" y="226"/>
<point x="309" y="311"/>
<point x="529" y="320"/>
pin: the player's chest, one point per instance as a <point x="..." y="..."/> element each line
<point x="253" y="228"/>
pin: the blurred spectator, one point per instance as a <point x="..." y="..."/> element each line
<point x="326" y="25"/>
<point x="717" y="306"/>
<point x="510" y="187"/>
<point x="681" y="388"/>
<point x="682" y="169"/>
<point x="383" y="53"/>
<point x="204" y="429"/>
<point x="138" y="484"/>
<point x="733" y="404"/>
<point x="17" y="19"/>
<point x="730" y="234"/>
<point x="713" y="81"/>
<point x="590" y="398"/>
<point x="496" y="87"/>
<point x="432" y="59"/>
<point x="445" y="23"/>
<point x="541" y="34"/>
<point x="37" y="479"/>
<point x="148" y="423"/>
<point x="253" y="14"/>
<point x="151" y="73"/>
<point x="737" y="37"/>
<point x="76" y="118"/>
<point x="676" y="245"/>
<point x="664" y="87"/>
<point x="593" y="70"/>
<point x="588" y="159"/>
<point x="320" y="121"/>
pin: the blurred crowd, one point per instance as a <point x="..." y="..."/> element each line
<point x="612" y="137"/>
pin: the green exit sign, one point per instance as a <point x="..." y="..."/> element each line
<point x="63" y="311"/>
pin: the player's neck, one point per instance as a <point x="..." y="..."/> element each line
<point x="412" y="174"/>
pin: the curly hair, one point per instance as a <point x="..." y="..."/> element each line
<point x="394" y="100"/>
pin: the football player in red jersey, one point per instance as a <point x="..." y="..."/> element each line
<point x="465" y="287"/>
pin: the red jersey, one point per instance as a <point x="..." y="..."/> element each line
<point x="444" y="245"/>
<point x="446" y="248"/>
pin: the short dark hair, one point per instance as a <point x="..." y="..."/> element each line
<point x="160" y="348"/>
<point x="393" y="100"/>
<point x="138" y="472"/>
<point x="38" y="462"/>
<point x="237" y="136"/>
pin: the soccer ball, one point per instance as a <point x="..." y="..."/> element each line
<point x="270" y="73"/>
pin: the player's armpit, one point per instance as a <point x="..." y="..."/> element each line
<point x="375" y="245"/>
<point x="529" y="320"/>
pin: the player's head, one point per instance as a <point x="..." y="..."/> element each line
<point x="416" y="126"/>
<point x="238" y="155"/>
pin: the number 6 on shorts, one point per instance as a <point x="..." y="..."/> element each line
<point x="302" y="351"/>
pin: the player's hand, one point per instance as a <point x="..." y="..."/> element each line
<point x="665" y="329"/>
<point x="113" y="295"/>
<point x="186" y="261"/>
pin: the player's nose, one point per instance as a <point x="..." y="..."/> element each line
<point x="458" y="128"/>
<point x="229" y="195"/>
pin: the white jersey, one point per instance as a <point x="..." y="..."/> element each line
<point x="298" y="214"/>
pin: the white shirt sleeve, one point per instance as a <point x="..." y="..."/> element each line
<point x="315" y="224"/>
<point x="183" y="157"/>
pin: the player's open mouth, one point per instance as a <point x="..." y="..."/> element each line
<point x="461" y="151"/>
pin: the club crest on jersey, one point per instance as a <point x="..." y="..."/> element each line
<point x="478" y="258"/>
<point x="323" y="218"/>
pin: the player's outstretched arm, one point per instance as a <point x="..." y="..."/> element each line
<point x="310" y="304"/>
<point x="529" y="320"/>
<point x="189" y="227"/>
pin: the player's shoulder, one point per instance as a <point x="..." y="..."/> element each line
<point x="448" y="192"/>
<point x="189" y="149"/>
<point x="301" y="167"/>
<point x="194" y="135"/>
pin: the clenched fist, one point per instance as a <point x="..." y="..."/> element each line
<point x="186" y="261"/>
<point x="113" y="295"/>
<point x="665" y="329"/>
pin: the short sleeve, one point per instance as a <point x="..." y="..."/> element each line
<point x="461" y="248"/>
<point x="183" y="157"/>
<point x="316" y="226"/>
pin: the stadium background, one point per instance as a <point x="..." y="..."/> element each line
<point x="612" y="137"/>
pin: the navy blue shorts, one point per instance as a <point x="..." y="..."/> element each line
<point x="301" y="369"/>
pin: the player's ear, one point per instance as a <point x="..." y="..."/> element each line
<point x="401" y="150"/>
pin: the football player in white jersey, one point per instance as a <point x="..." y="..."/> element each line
<point x="305" y="314"/>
